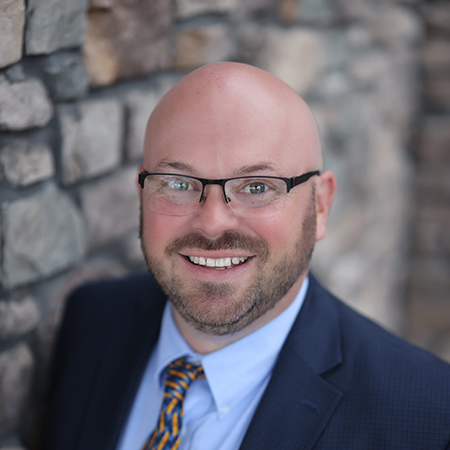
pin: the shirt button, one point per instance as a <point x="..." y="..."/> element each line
<point x="225" y="409"/>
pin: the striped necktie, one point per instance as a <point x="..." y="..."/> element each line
<point x="167" y="435"/>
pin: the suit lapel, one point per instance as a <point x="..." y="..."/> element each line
<point x="121" y="369"/>
<point x="298" y="402"/>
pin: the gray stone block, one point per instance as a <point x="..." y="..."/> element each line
<point x="437" y="91"/>
<point x="25" y="162"/>
<point x="127" y="38"/>
<point x="367" y="67"/>
<point x="295" y="55"/>
<point x="68" y="77"/>
<point x="111" y="207"/>
<point x="18" y="317"/>
<point x="133" y="251"/>
<point x="54" y="24"/>
<point x="43" y="234"/>
<point x="337" y="50"/>
<point x="437" y="16"/>
<point x="317" y="11"/>
<point x="15" y="73"/>
<point x="92" y="134"/>
<point x="23" y="104"/>
<point x="101" y="4"/>
<point x="16" y="370"/>
<point x="140" y="105"/>
<point x="436" y="56"/>
<point x="396" y="25"/>
<point x="12" y="20"/>
<point x="203" y="45"/>
<point x="432" y="223"/>
<point x="434" y="145"/>
<point x="433" y="184"/>
<point x="188" y="8"/>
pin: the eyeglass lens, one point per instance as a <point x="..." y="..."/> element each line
<point x="254" y="197"/>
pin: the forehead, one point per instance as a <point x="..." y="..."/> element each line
<point x="228" y="128"/>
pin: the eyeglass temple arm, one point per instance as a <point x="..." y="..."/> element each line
<point x="141" y="178"/>
<point x="301" y="179"/>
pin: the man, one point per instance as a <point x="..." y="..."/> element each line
<point x="233" y="200"/>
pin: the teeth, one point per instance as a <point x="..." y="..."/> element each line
<point x="220" y="263"/>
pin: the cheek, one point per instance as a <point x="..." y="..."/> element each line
<point x="159" y="230"/>
<point x="277" y="232"/>
<point x="282" y="231"/>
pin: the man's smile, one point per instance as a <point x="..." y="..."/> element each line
<point x="218" y="263"/>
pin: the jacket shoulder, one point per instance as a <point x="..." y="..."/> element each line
<point x="100" y="302"/>
<point x="104" y="326"/>
<point x="362" y="337"/>
<point x="392" y="390"/>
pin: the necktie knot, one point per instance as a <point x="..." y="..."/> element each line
<point x="180" y="374"/>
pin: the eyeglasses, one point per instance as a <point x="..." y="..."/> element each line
<point x="250" y="197"/>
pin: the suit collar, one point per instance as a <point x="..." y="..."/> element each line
<point x="316" y="336"/>
<point x="298" y="402"/>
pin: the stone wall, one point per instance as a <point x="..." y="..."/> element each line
<point x="77" y="83"/>
<point x="427" y="305"/>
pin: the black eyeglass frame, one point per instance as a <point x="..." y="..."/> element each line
<point x="290" y="182"/>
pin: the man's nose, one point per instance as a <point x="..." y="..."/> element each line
<point x="213" y="216"/>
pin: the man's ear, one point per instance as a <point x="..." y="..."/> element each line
<point x="325" y="189"/>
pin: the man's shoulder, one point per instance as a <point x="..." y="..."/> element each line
<point x="104" y="302"/>
<point x="388" y="387"/>
<point x="98" y="311"/>
<point x="109" y="328"/>
<point x="368" y="347"/>
<point x="117" y="292"/>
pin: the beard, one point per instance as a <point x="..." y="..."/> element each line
<point x="223" y="308"/>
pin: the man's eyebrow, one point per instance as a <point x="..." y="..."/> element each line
<point x="255" y="168"/>
<point x="167" y="164"/>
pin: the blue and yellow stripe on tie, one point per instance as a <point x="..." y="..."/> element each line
<point x="166" y="435"/>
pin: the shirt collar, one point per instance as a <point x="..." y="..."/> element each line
<point x="230" y="372"/>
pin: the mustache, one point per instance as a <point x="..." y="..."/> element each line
<point x="230" y="240"/>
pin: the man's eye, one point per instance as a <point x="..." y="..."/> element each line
<point x="179" y="184"/>
<point x="257" y="187"/>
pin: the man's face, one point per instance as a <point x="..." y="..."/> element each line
<point x="269" y="256"/>
<point x="224" y="303"/>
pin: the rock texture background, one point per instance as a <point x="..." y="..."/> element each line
<point x="77" y="83"/>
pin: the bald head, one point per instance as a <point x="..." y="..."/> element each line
<point x="226" y="111"/>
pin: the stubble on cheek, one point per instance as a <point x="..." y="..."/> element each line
<point x="213" y="307"/>
<point x="225" y="308"/>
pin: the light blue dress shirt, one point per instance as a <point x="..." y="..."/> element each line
<point x="218" y="409"/>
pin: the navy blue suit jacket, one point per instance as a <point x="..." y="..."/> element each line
<point x="340" y="382"/>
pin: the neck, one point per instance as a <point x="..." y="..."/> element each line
<point x="204" y="343"/>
